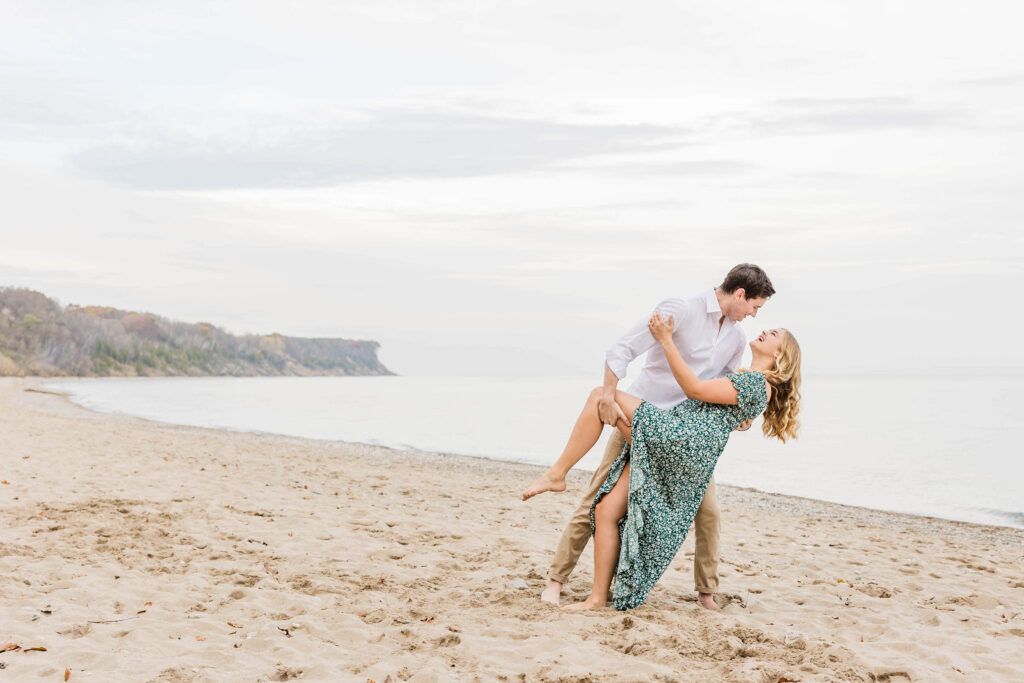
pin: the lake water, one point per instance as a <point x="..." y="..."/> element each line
<point x="946" y="448"/>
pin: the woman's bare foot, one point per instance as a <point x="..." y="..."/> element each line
<point x="707" y="601"/>
<point x="552" y="593"/>
<point x="544" y="482"/>
<point x="589" y="603"/>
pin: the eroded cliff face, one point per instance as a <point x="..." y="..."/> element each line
<point x="39" y="337"/>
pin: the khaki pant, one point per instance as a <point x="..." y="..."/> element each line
<point x="577" y="533"/>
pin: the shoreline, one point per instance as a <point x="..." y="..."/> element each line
<point x="38" y="381"/>
<point x="136" y="550"/>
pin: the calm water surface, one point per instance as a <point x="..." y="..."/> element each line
<point x="925" y="446"/>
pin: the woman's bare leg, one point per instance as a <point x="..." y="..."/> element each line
<point x="585" y="434"/>
<point x="609" y="511"/>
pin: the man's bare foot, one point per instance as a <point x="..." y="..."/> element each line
<point x="707" y="601"/>
<point x="589" y="603"/>
<point x="552" y="593"/>
<point x="544" y="482"/>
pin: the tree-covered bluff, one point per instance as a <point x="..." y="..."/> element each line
<point x="39" y="337"/>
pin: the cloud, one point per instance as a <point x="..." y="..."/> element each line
<point x="994" y="81"/>
<point x="14" y="276"/>
<point x="392" y="144"/>
<point x="827" y="176"/>
<point x="816" y="116"/>
<point x="799" y="103"/>
<point x="709" y="167"/>
<point x="36" y="97"/>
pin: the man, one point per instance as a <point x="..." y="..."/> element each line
<point x="712" y="344"/>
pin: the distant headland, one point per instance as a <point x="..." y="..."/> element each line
<point x="38" y="337"/>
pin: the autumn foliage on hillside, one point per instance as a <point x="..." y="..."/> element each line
<point x="39" y="337"/>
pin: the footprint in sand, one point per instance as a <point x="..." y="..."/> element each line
<point x="983" y="601"/>
<point x="876" y="591"/>
<point x="76" y="631"/>
<point x="448" y="640"/>
<point x="890" y="676"/>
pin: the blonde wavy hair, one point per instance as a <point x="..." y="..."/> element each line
<point x="784" y="405"/>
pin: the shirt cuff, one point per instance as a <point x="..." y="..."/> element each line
<point x="616" y="364"/>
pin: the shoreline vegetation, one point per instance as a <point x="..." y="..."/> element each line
<point x="38" y="337"/>
<point x="153" y="552"/>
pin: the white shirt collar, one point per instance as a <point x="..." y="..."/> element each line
<point x="712" y="303"/>
<point x="711" y="300"/>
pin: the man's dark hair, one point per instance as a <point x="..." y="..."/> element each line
<point x="751" y="278"/>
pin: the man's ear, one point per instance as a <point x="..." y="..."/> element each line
<point x="740" y="293"/>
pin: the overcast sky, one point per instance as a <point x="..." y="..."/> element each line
<point x="501" y="188"/>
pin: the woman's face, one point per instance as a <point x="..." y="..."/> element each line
<point x="768" y="342"/>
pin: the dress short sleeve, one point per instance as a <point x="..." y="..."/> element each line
<point x="751" y="393"/>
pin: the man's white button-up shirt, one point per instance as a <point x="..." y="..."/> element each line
<point x="710" y="351"/>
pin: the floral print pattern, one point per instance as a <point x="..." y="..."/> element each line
<point x="673" y="456"/>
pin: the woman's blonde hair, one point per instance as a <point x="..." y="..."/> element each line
<point x="784" y="404"/>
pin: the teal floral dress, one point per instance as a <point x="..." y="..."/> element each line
<point x="673" y="456"/>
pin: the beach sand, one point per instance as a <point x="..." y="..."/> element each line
<point x="134" y="551"/>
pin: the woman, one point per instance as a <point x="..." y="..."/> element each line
<point x="659" y="479"/>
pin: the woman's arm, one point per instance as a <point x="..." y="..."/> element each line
<point x="718" y="390"/>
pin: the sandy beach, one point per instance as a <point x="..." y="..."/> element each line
<point x="135" y="551"/>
